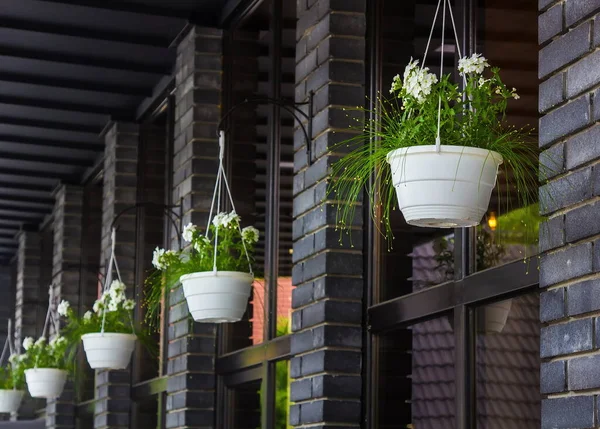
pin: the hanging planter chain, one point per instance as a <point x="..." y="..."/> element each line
<point x="222" y="179"/>
<point x="109" y="273"/>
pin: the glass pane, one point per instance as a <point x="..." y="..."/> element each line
<point x="282" y="394"/>
<point x="508" y="364"/>
<point x="416" y="377"/>
<point x="246" y="406"/>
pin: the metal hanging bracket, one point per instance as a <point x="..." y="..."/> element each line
<point x="292" y="108"/>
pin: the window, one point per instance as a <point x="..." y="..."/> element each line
<point x="454" y="313"/>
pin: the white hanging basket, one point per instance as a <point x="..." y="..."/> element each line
<point x="10" y="400"/>
<point x="217" y="297"/>
<point x="446" y="189"/>
<point x="45" y="382"/>
<point x="493" y="317"/>
<point x="108" y="350"/>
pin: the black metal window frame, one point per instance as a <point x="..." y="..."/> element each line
<point x="457" y="299"/>
<point x="257" y="363"/>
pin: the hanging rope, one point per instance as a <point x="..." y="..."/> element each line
<point x="108" y="279"/>
<point x="446" y="4"/>
<point x="8" y="344"/>
<point x="222" y="179"/>
<point x="50" y="317"/>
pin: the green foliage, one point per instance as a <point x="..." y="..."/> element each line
<point x="520" y="226"/>
<point x="475" y="117"/>
<point x="12" y="376"/>
<point x="47" y="354"/>
<point x="235" y="246"/>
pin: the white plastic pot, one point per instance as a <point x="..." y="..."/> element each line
<point x="493" y="317"/>
<point x="217" y="297"/>
<point x="108" y="350"/>
<point x="45" y="382"/>
<point x="446" y="189"/>
<point x="10" y="400"/>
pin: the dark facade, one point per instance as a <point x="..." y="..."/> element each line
<point x="372" y="337"/>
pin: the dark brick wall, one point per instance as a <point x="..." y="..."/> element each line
<point x="192" y="346"/>
<point x="569" y="70"/>
<point x="327" y="302"/>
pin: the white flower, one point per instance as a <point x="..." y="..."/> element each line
<point x="225" y="219"/>
<point x="87" y="316"/>
<point x="40" y="341"/>
<point x="418" y="82"/>
<point x="98" y="305"/>
<point x="516" y="96"/>
<point x="27" y="343"/>
<point x="14" y="358"/>
<point x="57" y="341"/>
<point x="157" y="258"/>
<point x="188" y="232"/>
<point x="116" y="296"/>
<point x="250" y="234"/>
<point x="112" y="306"/>
<point x="63" y="308"/>
<point x="476" y="63"/>
<point x="117" y="286"/>
<point x="396" y="84"/>
<point x="129" y="304"/>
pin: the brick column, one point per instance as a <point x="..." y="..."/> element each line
<point x="113" y="388"/>
<point x="570" y="72"/>
<point x="28" y="304"/>
<point x="327" y="302"/>
<point x="191" y="353"/>
<point x="66" y="227"/>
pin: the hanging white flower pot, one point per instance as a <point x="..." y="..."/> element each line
<point x="45" y="382"/>
<point x="493" y="317"/>
<point x="217" y="297"/>
<point x="10" y="400"/>
<point x="446" y="189"/>
<point x="108" y="350"/>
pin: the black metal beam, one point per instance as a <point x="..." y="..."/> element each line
<point x="25" y="187"/>
<point x="24" y="209"/>
<point x="61" y="105"/>
<point x="59" y="144"/>
<point x="149" y="388"/>
<point x="75" y="84"/>
<point x="13" y="218"/>
<point x="122" y="6"/>
<point x="46" y="159"/>
<point x="20" y="172"/>
<point x="86" y="32"/>
<point x="276" y="349"/>
<point x="85" y="60"/>
<point x="481" y="287"/>
<point x="6" y="243"/>
<point x="51" y="125"/>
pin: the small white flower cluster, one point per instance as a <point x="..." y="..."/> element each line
<point x="250" y="234"/>
<point x="160" y="257"/>
<point x="27" y="343"/>
<point x="226" y="219"/>
<point x="476" y="63"/>
<point x="57" y="341"/>
<point x="17" y="358"/>
<point x="63" y="308"/>
<point x="417" y="82"/>
<point x="188" y="232"/>
<point x="112" y="299"/>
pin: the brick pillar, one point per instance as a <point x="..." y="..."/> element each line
<point x="28" y="304"/>
<point x="191" y="353"/>
<point x="327" y="302"/>
<point x="113" y="388"/>
<point x="66" y="228"/>
<point x="570" y="72"/>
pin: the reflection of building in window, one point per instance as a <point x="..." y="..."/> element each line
<point x="284" y="305"/>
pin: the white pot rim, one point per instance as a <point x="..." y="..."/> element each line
<point x="109" y="334"/>
<point x="428" y="149"/>
<point x="206" y="274"/>
<point x="12" y="390"/>
<point x="45" y="370"/>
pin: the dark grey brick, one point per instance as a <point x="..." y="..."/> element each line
<point x="583" y="147"/>
<point x="331" y="311"/>
<point x="336" y="287"/>
<point x="577" y="10"/>
<point x="564" y="49"/>
<point x="302" y="295"/>
<point x="552" y="233"/>
<point x="582" y="222"/>
<point x="551" y="92"/>
<point x="566" y="338"/>
<point x="542" y="4"/>
<point x="565" y="120"/>
<point x="340" y="361"/>
<point x="584" y="373"/>
<point x="301" y="342"/>
<point x="583" y="297"/>
<point x="570" y="263"/>
<point x="342" y="48"/>
<point x="337" y="336"/>
<point x="596" y="256"/>
<point x="552" y="377"/>
<point x="301" y="390"/>
<point x="552" y="305"/>
<point x="327" y="263"/>
<point x="568" y="413"/>
<point x="339" y="386"/>
<point x="583" y="75"/>
<point x="550" y="23"/>
<point x="566" y="191"/>
<point x="331" y="411"/>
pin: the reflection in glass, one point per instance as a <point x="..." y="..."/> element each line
<point x="508" y="364"/>
<point x="282" y="394"/>
<point x="417" y="377"/>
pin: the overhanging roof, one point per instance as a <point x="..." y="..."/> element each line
<point x="67" y="67"/>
